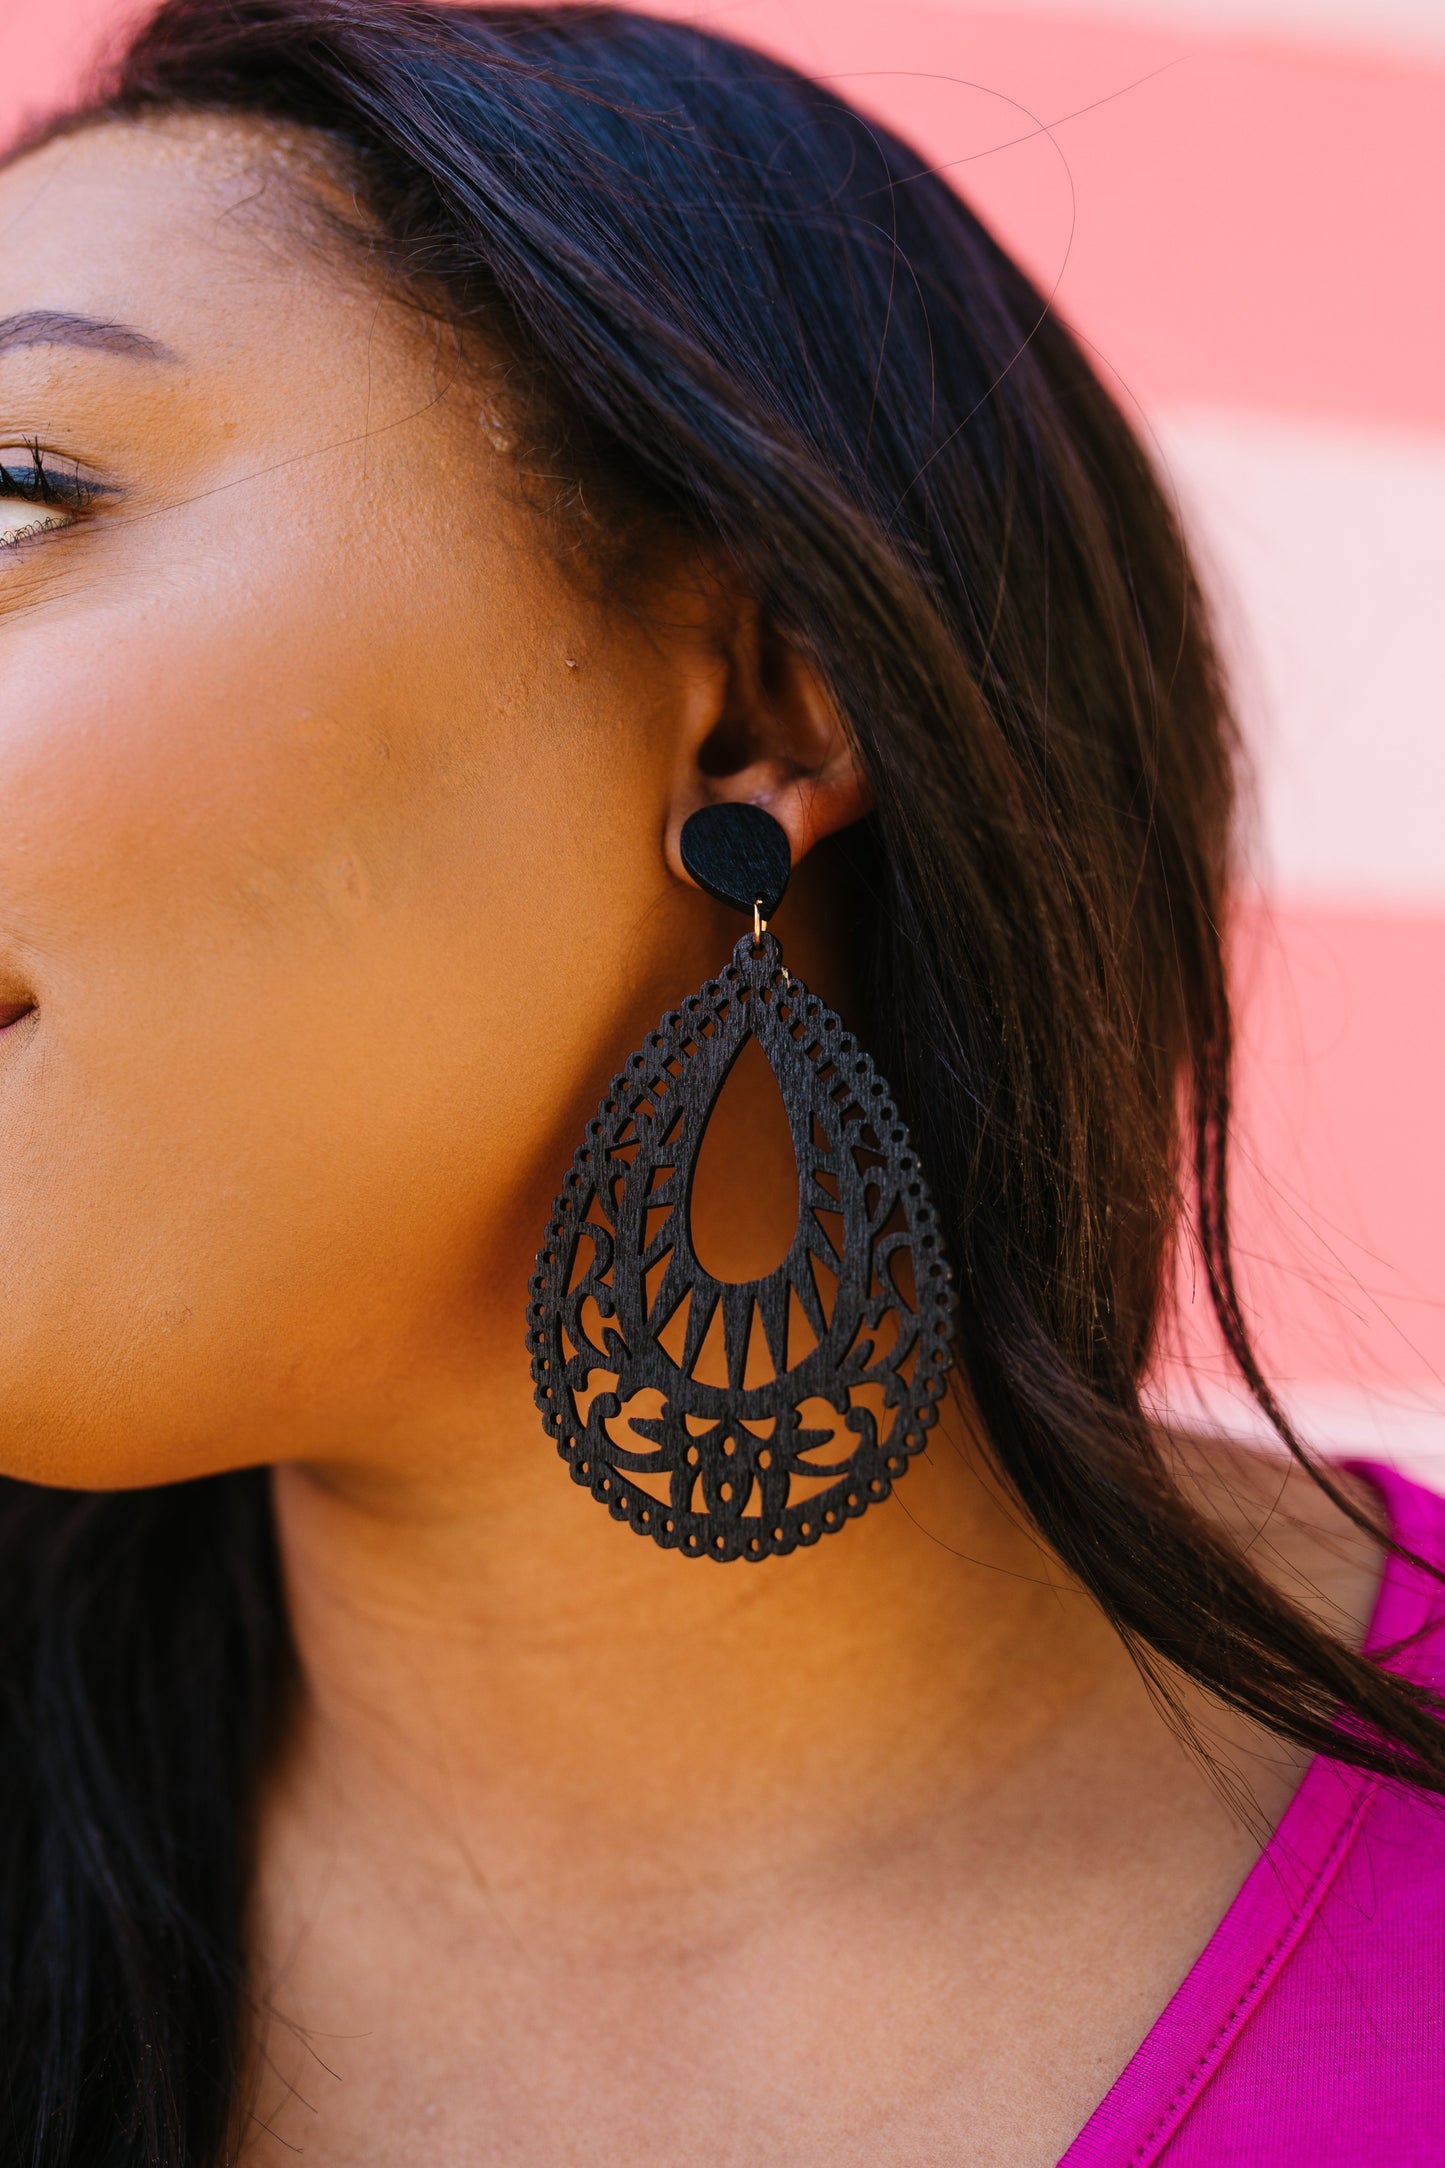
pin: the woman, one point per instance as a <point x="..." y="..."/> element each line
<point x="445" y="453"/>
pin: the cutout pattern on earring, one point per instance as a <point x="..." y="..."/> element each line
<point x="834" y="1362"/>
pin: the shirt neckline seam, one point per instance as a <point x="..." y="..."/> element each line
<point x="1302" y="1911"/>
<point x="1393" y="1594"/>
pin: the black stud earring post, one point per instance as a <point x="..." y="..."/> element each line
<point x="858" y="1315"/>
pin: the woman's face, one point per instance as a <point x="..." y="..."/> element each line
<point x="333" y="880"/>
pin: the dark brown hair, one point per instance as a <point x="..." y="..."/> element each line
<point x="742" y="308"/>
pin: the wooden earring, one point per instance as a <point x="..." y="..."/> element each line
<point x="856" y="1320"/>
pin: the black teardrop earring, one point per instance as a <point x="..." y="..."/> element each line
<point x="858" y="1316"/>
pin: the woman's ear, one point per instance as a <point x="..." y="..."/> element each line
<point x="771" y="737"/>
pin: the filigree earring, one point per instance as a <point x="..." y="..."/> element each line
<point x="856" y="1321"/>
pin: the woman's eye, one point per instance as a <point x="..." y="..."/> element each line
<point x="39" y="490"/>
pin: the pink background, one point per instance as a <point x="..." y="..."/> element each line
<point x="1239" y="203"/>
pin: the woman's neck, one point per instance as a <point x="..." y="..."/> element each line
<point x="501" y="1680"/>
<point x="569" y="1831"/>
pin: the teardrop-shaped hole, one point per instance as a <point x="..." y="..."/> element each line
<point x="743" y="1211"/>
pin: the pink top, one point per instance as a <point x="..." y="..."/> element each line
<point x="1311" y="2031"/>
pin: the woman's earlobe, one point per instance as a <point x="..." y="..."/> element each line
<point x="779" y="744"/>
<point x="813" y="803"/>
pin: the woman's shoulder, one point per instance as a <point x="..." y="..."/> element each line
<point x="1311" y="2031"/>
<point x="1321" y="1551"/>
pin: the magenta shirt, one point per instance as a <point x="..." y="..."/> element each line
<point x="1311" y="2031"/>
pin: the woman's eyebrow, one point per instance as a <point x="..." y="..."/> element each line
<point x="57" y="327"/>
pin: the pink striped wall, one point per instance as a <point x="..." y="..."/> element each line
<point x="1341" y="1171"/>
<point x="1240" y="209"/>
<point x="1240" y="224"/>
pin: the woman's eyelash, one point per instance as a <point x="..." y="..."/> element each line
<point x="28" y="471"/>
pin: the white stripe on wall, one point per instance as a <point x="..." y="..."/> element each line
<point x="1340" y="1424"/>
<point x="1327" y="550"/>
<point x="1384" y="26"/>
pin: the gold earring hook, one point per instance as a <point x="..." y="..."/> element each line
<point x="760" y="927"/>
